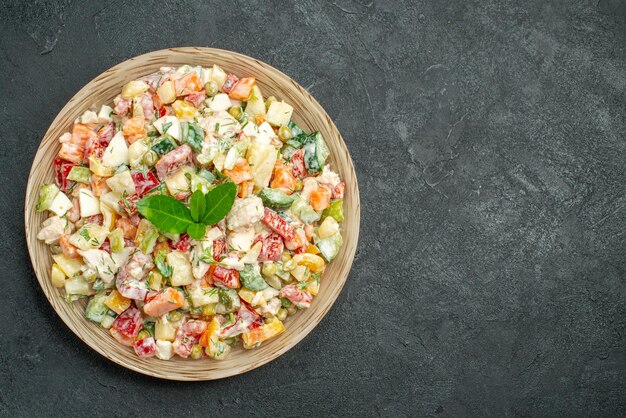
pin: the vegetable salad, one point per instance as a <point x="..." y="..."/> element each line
<point x="193" y="213"/>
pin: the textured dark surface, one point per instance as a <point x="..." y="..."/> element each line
<point x="489" y="141"/>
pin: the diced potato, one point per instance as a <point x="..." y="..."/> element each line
<point x="220" y="101"/>
<point x="57" y="276"/>
<point x="60" y="204"/>
<point x="116" y="302"/>
<point x="107" y="321"/>
<point x="203" y="296"/>
<point x="109" y="216"/>
<point x="182" y="274"/>
<point x="299" y="273"/>
<point x="170" y="125"/>
<point x="256" y="103"/>
<point x="89" y="236"/>
<point x="177" y="182"/>
<point x="104" y="116"/>
<point x="328" y="228"/>
<point x="279" y="113"/>
<point x="70" y="266"/>
<point x="77" y="286"/>
<point x="100" y="169"/>
<point x="116" y="153"/>
<point x="218" y="75"/>
<point x="313" y="287"/>
<point x="112" y="199"/>
<point x="89" y="117"/>
<point x="261" y="158"/>
<point x="207" y="75"/>
<point x="134" y="88"/>
<point x="122" y="183"/>
<point x="164" y="329"/>
<point x="89" y="204"/>
<point x="164" y="349"/>
<point x="136" y="151"/>
<point x="183" y="110"/>
<point x="167" y="92"/>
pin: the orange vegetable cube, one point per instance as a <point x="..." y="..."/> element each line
<point x="265" y="332"/>
<point x="283" y="180"/>
<point x="72" y="152"/>
<point x="241" y="172"/>
<point x="81" y="133"/>
<point x="188" y="84"/>
<point x="166" y="301"/>
<point x="320" y="198"/>
<point x="99" y="185"/>
<point x="116" y="302"/>
<point x="242" y="89"/>
<point x="133" y="129"/>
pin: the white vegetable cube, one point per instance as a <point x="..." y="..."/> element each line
<point x="203" y="296"/>
<point x="241" y="239"/>
<point x="164" y="349"/>
<point x="57" y="276"/>
<point x="116" y="153"/>
<point x="89" y="204"/>
<point x="122" y="183"/>
<point x="220" y="101"/>
<point x="170" y="125"/>
<point x="136" y="151"/>
<point x="218" y="75"/>
<point x="177" y="182"/>
<point x="65" y="138"/>
<point x="279" y="113"/>
<point x="261" y="158"/>
<point x="112" y="199"/>
<point x="167" y="92"/>
<point x="104" y="115"/>
<point x="61" y="204"/>
<point x="89" y="117"/>
<point x="265" y="133"/>
<point x="256" y="104"/>
<point x="181" y="268"/>
<point x="207" y="75"/>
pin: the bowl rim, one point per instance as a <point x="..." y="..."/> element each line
<point x="300" y="335"/>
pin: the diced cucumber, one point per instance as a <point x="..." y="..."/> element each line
<point x="116" y="240"/>
<point x="335" y="210"/>
<point x="304" y="211"/>
<point x="165" y="145"/>
<point x="96" y="309"/>
<point x="276" y="199"/>
<point x="80" y="174"/>
<point x="47" y="193"/>
<point x="329" y="247"/>
<point x="251" y="277"/>
<point x="228" y="301"/>
<point x="193" y="135"/>
<point x="76" y="287"/>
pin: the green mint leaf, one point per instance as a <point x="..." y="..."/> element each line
<point x="218" y="203"/>
<point x="166" y="213"/>
<point x="196" y="231"/>
<point x="197" y="205"/>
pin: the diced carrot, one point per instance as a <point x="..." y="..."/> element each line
<point x="212" y="331"/>
<point x="312" y="249"/>
<point x="242" y="89"/>
<point x="320" y="198"/>
<point x="283" y="180"/>
<point x="258" y="335"/>
<point x="166" y="301"/>
<point x="72" y="153"/>
<point x="99" y="185"/>
<point x="127" y="227"/>
<point x="68" y="249"/>
<point x="259" y="119"/>
<point x="241" y="172"/>
<point x="207" y="279"/>
<point x="81" y="133"/>
<point x="188" y="84"/>
<point x="133" y="129"/>
<point x="246" y="188"/>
